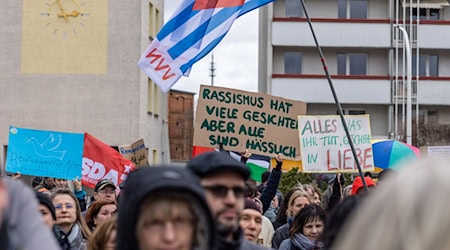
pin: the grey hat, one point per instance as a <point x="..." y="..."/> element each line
<point x="213" y="162"/>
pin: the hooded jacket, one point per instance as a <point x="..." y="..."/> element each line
<point x="145" y="181"/>
<point x="22" y="226"/>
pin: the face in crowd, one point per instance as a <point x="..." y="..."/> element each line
<point x="166" y="222"/>
<point x="105" y="213"/>
<point x="313" y="228"/>
<point x="106" y="193"/>
<point x="251" y="224"/>
<point x="225" y="195"/>
<point x="60" y="183"/>
<point x="297" y="201"/>
<point x="46" y="215"/>
<point x="66" y="211"/>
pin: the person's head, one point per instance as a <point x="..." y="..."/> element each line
<point x="60" y="183"/>
<point x="297" y="201"/>
<point x="358" y="186"/>
<point x="265" y="177"/>
<point x="46" y="208"/>
<point x="252" y="190"/>
<point x="164" y="208"/>
<point x="282" y="213"/>
<point x="309" y="221"/>
<point x="314" y="192"/>
<point x="347" y="191"/>
<point x="251" y="220"/>
<point x="223" y="179"/>
<point x="409" y="211"/>
<point x="36" y="181"/>
<point x="105" y="190"/>
<point x="100" y="211"/>
<point x="49" y="181"/>
<point x="104" y="236"/>
<point x="68" y="211"/>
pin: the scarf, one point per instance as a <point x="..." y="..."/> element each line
<point x="73" y="233"/>
<point x="300" y="241"/>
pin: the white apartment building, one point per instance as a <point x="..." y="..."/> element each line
<point x="366" y="58"/>
<point x="72" y="66"/>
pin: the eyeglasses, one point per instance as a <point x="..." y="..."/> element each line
<point x="67" y="206"/>
<point x="222" y="191"/>
<point x="111" y="192"/>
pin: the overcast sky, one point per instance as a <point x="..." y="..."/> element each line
<point x="235" y="57"/>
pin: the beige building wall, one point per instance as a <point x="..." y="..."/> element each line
<point x="71" y="65"/>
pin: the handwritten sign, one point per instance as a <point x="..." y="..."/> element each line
<point x="239" y="120"/>
<point x="44" y="153"/>
<point x="135" y="152"/>
<point x="325" y="146"/>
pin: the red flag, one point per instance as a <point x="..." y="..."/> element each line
<point x="196" y="150"/>
<point x="100" y="161"/>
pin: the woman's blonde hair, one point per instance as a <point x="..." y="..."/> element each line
<point x="80" y="219"/>
<point x="295" y="195"/>
<point x="100" y="237"/>
<point x="408" y="212"/>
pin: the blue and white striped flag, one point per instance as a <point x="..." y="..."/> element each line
<point x="195" y="28"/>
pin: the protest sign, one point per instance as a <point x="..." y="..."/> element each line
<point x="100" y="161"/>
<point x="239" y="120"/>
<point x="44" y="153"/>
<point x="135" y="152"/>
<point x="325" y="146"/>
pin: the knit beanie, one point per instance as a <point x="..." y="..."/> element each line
<point x="251" y="204"/>
<point x="44" y="199"/>
<point x="358" y="184"/>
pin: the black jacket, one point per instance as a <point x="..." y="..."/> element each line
<point x="239" y="243"/>
<point x="146" y="181"/>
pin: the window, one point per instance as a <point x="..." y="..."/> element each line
<point x="153" y="98"/>
<point x="428" y="65"/>
<point x="292" y="63"/>
<point x="356" y="9"/>
<point x="425" y="14"/>
<point x="294" y="8"/>
<point x="155" y="156"/>
<point x="154" y="93"/>
<point x="351" y="64"/>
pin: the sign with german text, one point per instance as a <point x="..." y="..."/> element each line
<point x="135" y="152"/>
<point x="325" y="146"/>
<point x="44" y="153"/>
<point x="239" y="120"/>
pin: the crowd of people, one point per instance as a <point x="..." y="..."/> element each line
<point x="212" y="204"/>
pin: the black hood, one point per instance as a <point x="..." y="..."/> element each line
<point x="144" y="181"/>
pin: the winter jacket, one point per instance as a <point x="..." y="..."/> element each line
<point x="144" y="182"/>
<point x="22" y="226"/>
<point x="281" y="234"/>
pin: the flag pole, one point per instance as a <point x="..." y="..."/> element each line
<point x="338" y="104"/>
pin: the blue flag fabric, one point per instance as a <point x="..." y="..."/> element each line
<point x="196" y="27"/>
<point x="44" y="153"/>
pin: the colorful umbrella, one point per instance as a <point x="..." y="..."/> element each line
<point x="391" y="153"/>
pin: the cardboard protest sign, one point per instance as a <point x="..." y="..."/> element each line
<point x="100" y="161"/>
<point x="239" y="120"/>
<point x="325" y="146"/>
<point x="44" y="153"/>
<point x="135" y="152"/>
